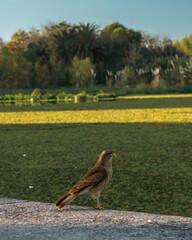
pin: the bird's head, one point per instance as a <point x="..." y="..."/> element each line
<point x="107" y="155"/>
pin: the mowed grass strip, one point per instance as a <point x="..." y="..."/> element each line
<point x="156" y="115"/>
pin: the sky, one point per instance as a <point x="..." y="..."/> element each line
<point x="171" y="18"/>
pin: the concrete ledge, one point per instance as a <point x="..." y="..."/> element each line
<point x="34" y="220"/>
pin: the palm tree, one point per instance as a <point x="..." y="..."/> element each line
<point x="86" y="38"/>
<point x="64" y="37"/>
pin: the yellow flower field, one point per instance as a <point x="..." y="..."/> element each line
<point x="157" y="96"/>
<point x="174" y="115"/>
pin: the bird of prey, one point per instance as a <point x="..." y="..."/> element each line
<point x="92" y="183"/>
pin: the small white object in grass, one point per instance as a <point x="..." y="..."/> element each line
<point x="24" y="155"/>
<point x="30" y="186"/>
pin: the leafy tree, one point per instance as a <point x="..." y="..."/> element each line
<point x="42" y="75"/>
<point x="2" y="44"/>
<point x="81" y="71"/>
<point x="185" y="44"/>
<point x="62" y="74"/>
<point x="108" y="30"/>
<point x="15" y="71"/>
<point x="19" y="42"/>
<point x="122" y="45"/>
<point x="32" y="53"/>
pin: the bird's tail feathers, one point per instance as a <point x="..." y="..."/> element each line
<point x="66" y="199"/>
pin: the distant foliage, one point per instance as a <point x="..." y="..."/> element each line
<point x="82" y="55"/>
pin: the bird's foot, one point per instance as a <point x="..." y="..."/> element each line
<point x="99" y="207"/>
<point x="61" y="210"/>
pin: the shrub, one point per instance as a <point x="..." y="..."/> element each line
<point x="61" y="96"/>
<point x="186" y="72"/>
<point x="48" y="95"/>
<point x="83" y="96"/>
<point x="19" y="96"/>
<point x="81" y="71"/>
<point x="69" y="97"/>
<point x="36" y="94"/>
<point x="127" y="76"/>
<point x="9" y="97"/>
<point x="27" y="96"/>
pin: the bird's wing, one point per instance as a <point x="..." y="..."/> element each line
<point x="91" y="179"/>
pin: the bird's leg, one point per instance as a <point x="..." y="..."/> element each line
<point x="98" y="205"/>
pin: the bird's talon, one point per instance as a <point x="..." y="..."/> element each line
<point x="99" y="208"/>
<point x="61" y="210"/>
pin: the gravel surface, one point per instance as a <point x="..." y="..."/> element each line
<point x="25" y="220"/>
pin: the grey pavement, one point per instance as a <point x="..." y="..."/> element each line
<point x="26" y="220"/>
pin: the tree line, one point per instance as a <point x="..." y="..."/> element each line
<point x="83" y="55"/>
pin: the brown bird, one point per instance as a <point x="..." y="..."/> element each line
<point x="92" y="183"/>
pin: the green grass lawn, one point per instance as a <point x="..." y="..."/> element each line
<point x="152" y="170"/>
